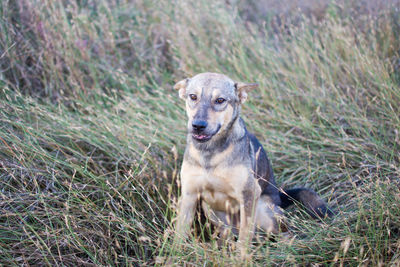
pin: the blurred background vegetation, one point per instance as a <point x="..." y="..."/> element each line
<point x="92" y="133"/>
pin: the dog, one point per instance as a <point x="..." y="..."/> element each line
<point x="226" y="168"/>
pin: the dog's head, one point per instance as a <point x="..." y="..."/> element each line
<point x="212" y="104"/>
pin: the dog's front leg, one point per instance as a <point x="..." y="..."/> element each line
<point x="188" y="200"/>
<point x="186" y="212"/>
<point x="249" y="199"/>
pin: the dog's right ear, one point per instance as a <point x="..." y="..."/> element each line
<point x="181" y="86"/>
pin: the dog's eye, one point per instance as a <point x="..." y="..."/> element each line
<point x="220" y="100"/>
<point x="193" y="97"/>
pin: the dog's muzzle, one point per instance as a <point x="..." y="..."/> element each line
<point x="199" y="132"/>
<point x="199" y="125"/>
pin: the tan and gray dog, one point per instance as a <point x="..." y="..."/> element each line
<point x="225" y="166"/>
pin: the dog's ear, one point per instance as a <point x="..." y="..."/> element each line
<point x="181" y="86"/>
<point x="243" y="88"/>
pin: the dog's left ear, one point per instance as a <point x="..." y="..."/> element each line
<point x="243" y="88"/>
<point x="181" y="86"/>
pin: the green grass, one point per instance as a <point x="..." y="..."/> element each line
<point x="92" y="133"/>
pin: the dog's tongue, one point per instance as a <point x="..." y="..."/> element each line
<point x="201" y="136"/>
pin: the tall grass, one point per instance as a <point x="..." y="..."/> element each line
<point x="92" y="133"/>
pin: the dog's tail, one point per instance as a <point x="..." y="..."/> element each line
<point x="313" y="204"/>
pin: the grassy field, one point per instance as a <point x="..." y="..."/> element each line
<point x="92" y="133"/>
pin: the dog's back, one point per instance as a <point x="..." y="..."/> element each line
<point x="313" y="204"/>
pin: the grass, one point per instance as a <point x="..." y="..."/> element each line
<point x="92" y="133"/>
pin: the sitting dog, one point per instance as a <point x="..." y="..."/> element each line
<point x="226" y="168"/>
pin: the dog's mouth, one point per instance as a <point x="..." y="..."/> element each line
<point x="203" y="137"/>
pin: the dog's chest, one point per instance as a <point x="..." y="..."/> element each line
<point x="219" y="190"/>
<point x="220" y="187"/>
<point x="220" y="201"/>
<point x="217" y="178"/>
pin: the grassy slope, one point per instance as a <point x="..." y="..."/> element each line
<point x="92" y="134"/>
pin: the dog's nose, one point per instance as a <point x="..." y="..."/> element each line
<point x="199" y="125"/>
